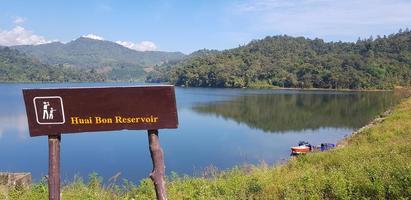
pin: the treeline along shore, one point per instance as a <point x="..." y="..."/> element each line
<point x="374" y="163"/>
<point x="297" y="62"/>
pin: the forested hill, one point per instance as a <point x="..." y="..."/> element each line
<point x="18" y="67"/>
<point x="114" y="60"/>
<point x="286" y="61"/>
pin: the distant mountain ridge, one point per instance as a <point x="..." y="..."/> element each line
<point x="118" y="61"/>
<point x="19" y="67"/>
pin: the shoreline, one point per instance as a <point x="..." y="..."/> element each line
<point x="335" y="90"/>
<point x="377" y="120"/>
<point x="254" y="88"/>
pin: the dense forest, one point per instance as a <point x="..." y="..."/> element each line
<point x="298" y="62"/>
<point x="18" y="67"/>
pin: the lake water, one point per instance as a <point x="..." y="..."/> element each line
<point x="218" y="127"/>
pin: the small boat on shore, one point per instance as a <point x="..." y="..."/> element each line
<point x="326" y="146"/>
<point x="302" y="148"/>
<point x="305" y="147"/>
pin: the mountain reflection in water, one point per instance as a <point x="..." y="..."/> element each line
<point x="300" y="111"/>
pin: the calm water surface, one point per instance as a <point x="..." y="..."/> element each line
<point x="218" y="127"/>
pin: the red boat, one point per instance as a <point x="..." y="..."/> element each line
<point x="300" y="149"/>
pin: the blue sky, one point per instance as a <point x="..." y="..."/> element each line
<point x="187" y="26"/>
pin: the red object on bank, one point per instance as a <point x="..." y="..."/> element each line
<point x="300" y="149"/>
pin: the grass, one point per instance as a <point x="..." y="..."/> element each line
<point x="373" y="164"/>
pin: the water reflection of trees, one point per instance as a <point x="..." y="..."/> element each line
<point x="287" y="112"/>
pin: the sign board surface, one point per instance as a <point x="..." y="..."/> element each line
<point x="72" y="110"/>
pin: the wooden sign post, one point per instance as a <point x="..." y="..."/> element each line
<point x="52" y="112"/>
<point x="54" y="166"/>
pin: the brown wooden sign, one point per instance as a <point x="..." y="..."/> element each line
<point x="72" y="110"/>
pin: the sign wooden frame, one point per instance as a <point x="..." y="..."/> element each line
<point x="55" y="111"/>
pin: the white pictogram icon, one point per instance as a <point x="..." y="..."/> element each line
<point x="48" y="113"/>
<point x="51" y="113"/>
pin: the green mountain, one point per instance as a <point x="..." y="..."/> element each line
<point x="284" y="61"/>
<point x="117" y="61"/>
<point x="18" y="67"/>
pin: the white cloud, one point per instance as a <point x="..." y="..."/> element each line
<point x="19" y="20"/>
<point x="325" y="18"/>
<point x="93" y="36"/>
<point x="142" y="46"/>
<point x="20" y="36"/>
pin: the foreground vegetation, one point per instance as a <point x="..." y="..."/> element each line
<point x="372" y="164"/>
<point x="297" y="62"/>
